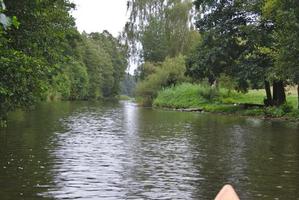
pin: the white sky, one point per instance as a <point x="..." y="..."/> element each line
<point x="99" y="15"/>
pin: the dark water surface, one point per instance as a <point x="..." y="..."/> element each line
<point x="93" y="151"/>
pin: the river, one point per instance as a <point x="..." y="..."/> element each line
<point x="83" y="150"/>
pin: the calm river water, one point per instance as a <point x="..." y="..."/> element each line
<point x="121" y="151"/>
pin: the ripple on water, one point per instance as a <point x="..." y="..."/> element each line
<point x="118" y="153"/>
<point x="98" y="157"/>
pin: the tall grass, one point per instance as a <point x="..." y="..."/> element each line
<point x="185" y="95"/>
<point x="189" y="95"/>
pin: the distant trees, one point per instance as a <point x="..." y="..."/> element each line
<point x="43" y="56"/>
<point x="128" y="85"/>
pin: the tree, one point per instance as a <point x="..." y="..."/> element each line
<point x="169" y="73"/>
<point x="285" y="15"/>
<point x="118" y="54"/>
<point x="23" y="81"/>
<point x="45" y="32"/>
<point x="162" y="27"/>
<point x="43" y="56"/>
<point x="22" y="77"/>
<point x="236" y="41"/>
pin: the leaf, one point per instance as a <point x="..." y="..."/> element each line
<point x="15" y="22"/>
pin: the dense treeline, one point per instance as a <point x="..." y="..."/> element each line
<point x="44" y="57"/>
<point x="253" y="44"/>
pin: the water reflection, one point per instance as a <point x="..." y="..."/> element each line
<point x="102" y="155"/>
<point x="121" y="151"/>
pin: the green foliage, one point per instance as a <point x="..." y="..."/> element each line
<point x="274" y="112"/>
<point x="60" y="87"/>
<point x="114" y="72"/>
<point x="285" y="16"/>
<point x="188" y="95"/>
<point x="281" y="111"/>
<point x="254" y="43"/>
<point x="79" y="81"/>
<point x="106" y="61"/>
<point x="43" y="56"/>
<point x="227" y="82"/>
<point x="169" y="73"/>
<point x="162" y="27"/>
<point x="145" y="69"/>
<point x="233" y="34"/>
<point x="185" y="95"/>
<point x="154" y="41"/>
<point x="23" y="80"/>
<point x="209" y="93"/>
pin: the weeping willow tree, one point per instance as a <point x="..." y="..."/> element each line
<point x="159" y="28"/>
<point x="159" y="33"/>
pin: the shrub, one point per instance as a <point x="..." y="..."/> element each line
<point x="171" y="72"/>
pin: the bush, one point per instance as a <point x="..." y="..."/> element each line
<point x="171" y="72"/>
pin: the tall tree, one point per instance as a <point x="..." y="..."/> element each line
<point x="22" y="77"/>
<point x="236" y="41"/>
<point x="285" y="15"/>
<point x="118" y="54"/>
<point x="161" y="27"/>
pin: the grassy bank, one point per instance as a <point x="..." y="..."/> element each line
<point x="222" y="100"/>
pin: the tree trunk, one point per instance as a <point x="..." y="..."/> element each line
<point x="279" y="96"/>
<point x="268" y="101"/>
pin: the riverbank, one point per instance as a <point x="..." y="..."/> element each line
<point x="192" y="97"/>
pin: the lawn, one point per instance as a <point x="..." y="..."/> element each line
<point x="257" y="97"/>
<point x="210" y="99"/>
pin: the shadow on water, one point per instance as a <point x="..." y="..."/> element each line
<point x="121" y="151"/>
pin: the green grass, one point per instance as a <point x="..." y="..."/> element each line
<point x="257" y="97"/>
<point x="183" y="96"/>
<point x="209" y="99"/>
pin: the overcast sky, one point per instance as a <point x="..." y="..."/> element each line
<point x="99" y="15"/>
